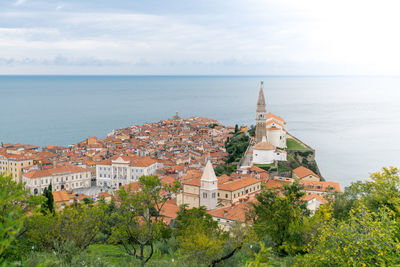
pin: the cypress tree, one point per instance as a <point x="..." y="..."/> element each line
<point x="48" y="206"/>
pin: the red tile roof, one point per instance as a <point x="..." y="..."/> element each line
<point x="237" y="184"/>
<point x="303" y="172"/>
<point x="320" y="186"/>
<point x="54" y="171"/>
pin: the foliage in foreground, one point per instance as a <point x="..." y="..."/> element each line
<point x="357" y="228"/>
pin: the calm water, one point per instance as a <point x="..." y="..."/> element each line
<point x="352" y="122"/>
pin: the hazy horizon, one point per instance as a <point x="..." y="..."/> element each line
<point x="254" y="37"/>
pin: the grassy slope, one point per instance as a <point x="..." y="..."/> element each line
<point x="294" y="145"/>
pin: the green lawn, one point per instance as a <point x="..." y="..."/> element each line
<point x="113" y="255"/>
<point x="265" y="166"/>
<point x="294" y="145"/>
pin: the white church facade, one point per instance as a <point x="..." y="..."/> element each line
<point x="270" y="135"/>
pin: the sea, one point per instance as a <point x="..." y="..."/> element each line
<point x="353" y="123"/>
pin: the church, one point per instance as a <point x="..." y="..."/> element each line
<point x="212" y="192"/>
<point x="270" y="139"/>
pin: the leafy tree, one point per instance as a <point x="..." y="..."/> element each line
<point x="381" y="191"/>
<point x="88" y="201"/>
<point x="48" y="205"/>
<point x="224" y="169"/>
<point x="280" y="217"/>
<point x="75" y="224"/>
<point x="139" y="220"/>
<point x="365" y="239"/>
<point x="236" y="147"/>
<point x="109" y="219"/>
<point x="202" y="242"/>
<point x="15" y="205"/>
<point x="252" y="131"/>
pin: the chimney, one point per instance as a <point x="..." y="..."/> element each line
<point x="225" y="212"/>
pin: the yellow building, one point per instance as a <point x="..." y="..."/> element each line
<point x="12" y="164"/>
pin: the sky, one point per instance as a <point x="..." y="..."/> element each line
<point x="202" y="37"/>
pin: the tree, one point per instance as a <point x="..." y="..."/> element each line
<point x="252" y="131"/>
<point x="236" y="128"/>
<point x="48" y="205"/>
<point x="139" y="221"/>
<point x="365" y="239"/>
<point x="201" y="240"/>
<point x="381" y="191"/>
<point x="280" y="218"/>
<point x="75" y="224"/>
<point x="14" y="207"/>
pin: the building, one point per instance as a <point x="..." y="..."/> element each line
<point x="67" y="177"/>
<point x="261" y="116"/>
<point x="208" y="188"/>
<point x="12" y="164"/>
<point x="122" y="170"/>
<point x="228" y="189"/>
<point x="305" y="174"/>
<point x="235" y="212"/>
<point x="314" y="201"/>
<point x="62" y="199"/>
<point x="319" y="187"/>
<point x="237" y="189"/>
<point x="266" y="153"/>
<point x="276" y="133"/>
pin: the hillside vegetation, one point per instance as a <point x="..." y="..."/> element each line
<point x="359" y="227"/>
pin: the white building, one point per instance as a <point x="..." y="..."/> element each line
<point x="314" y="201"/>
<point x="67" y="177"/>
<point x="121" y="170"/>
<point x="276" y="133"/>
<point x="208" y="188"/>
<point x="266" y="153"/>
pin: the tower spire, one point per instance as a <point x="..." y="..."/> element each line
<point x="261" y="116"/>
<point x="261" y="99"/>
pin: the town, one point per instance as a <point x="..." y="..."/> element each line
<point x="192" y="151"/>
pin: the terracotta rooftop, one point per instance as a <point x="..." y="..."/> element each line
<point x="193" y="182"/>
<point x="303" y="172"/>
<point x="316" y="196"/>
<point x="60" y="196"/>
<point x="320" y="186"/>
<point x="234" y="212"/>
<point x="54" y="171"/>
<point x="264" y="146"/>
<point x="239" y="183"/>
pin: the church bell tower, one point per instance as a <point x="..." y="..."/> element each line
<point x="209" y="188"/>
<point x="261" y="116"/>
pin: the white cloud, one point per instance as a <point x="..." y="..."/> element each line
<point x="59" y="7"/>
<point x="310" y="36"/>
<point x="20" y="2"/>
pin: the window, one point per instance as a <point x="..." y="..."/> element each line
<point x="234" y="195"/>
<point x="218" y="194"/>
<point x="204" y="195"/>
<point x="226" y="195"/>
<point x="213" y="195"/>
